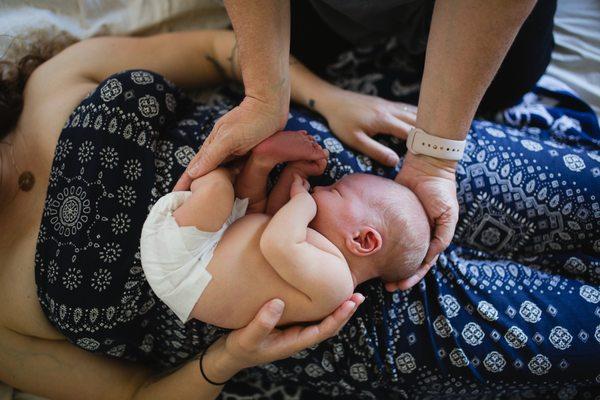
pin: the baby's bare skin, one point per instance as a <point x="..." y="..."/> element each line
<point x="310" y="250"/>
<point x="242" y="277"/>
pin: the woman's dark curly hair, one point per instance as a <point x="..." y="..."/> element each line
<point x="23" y="55"/>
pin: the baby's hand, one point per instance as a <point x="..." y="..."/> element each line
<point x="299" y="185"/>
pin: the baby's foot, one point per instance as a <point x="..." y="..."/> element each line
<point x="288" y="146"/>
<point x="306" y="168"/>
<point x="281" y="192"/>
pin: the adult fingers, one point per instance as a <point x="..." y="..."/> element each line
<point x="396" y="127"/>
<point x="211" y="154"/>
<point x="405" y="112"/>
<point x="375" y="150"/>
<point x="215" y="149"/>
<point x="183" y="183"/>
<point x="411" y="281"/>
<point x="331" y="324"/>
<point x="262" y="325"/>
<point x="342" y="319"/>
<point x="442" y="235"/>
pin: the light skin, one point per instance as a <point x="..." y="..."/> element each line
<point x="464" y="52"/>
<point x="265" y="255"/>
<point x="34" y="356"/>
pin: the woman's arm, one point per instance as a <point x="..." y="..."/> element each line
<point x="205" y="58"/>
<point x="185" y="58"/>
<point x="263" y="29"/>
<point x="59" y="370"/>
<point x="464" y="51"/>
<point x="353" y="117"/>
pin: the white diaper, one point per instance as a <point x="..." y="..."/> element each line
<point x="175" y="258"/>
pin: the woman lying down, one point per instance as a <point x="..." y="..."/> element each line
<point x="219" y="252"/>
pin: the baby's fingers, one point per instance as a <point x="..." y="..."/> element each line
<point x="299" y="185"/>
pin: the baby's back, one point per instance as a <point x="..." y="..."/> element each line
<point x="243" y="281"/>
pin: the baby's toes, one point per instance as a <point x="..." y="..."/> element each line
<point x="320" y="166"/>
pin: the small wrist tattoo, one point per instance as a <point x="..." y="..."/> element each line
<point x="312" y="103"/>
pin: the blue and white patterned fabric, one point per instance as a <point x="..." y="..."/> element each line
<point x="512" y="307"/>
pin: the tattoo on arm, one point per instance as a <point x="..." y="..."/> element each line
<point x="312" y="103"/>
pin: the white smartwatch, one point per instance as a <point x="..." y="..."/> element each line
<point x="420" y="142"/>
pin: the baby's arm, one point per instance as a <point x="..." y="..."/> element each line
<point x="321" y="275"/>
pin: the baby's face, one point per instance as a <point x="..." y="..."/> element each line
<point x="340" y="204"/>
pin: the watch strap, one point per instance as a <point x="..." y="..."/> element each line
<point x="420" y="142"/>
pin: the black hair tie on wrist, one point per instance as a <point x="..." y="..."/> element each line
<point x="204" y="374"/>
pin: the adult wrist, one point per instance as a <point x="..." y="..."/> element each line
<point x="275" y="105"/>
<point x="275" y="91"/>
<point x="421" y="142"/>
<point x="327" y="99"/>
<point x="432" y="165"/>
<point x="217" y="364"/>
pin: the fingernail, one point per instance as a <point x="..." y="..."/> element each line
<point x="392" y="160"/>
<point x="351" y="305"/>
<point x="276" y="306"/>
<point x="362" y="298"/>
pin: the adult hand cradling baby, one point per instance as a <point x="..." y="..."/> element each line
<point x="260" y="342"/>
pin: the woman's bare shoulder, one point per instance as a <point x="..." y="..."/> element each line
<point x="51" y="94"/>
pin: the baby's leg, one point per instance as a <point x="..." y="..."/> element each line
<point x="211" y="201"/>
<point x="281" y="192"/>
<point x="251" y="183"/>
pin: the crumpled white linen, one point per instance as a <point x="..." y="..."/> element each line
<point x="86" y="18"/>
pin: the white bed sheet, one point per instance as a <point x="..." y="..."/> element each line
<point x="85" y="18"/>
<point x="576" y="57"/>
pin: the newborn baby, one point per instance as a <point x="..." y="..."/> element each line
<point x="211" y="256"/>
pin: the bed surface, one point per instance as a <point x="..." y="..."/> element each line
<point x="576" y="56"/>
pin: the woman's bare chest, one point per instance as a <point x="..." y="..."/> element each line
<point x="20" y="309"/>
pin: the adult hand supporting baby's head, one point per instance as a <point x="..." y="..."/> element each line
<point x="260" y="342"/>
<point x="434" y="182"/>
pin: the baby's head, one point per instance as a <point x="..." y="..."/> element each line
<point x="379" y="225"/>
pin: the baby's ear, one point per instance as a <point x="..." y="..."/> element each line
<point x="364" y="242"/>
